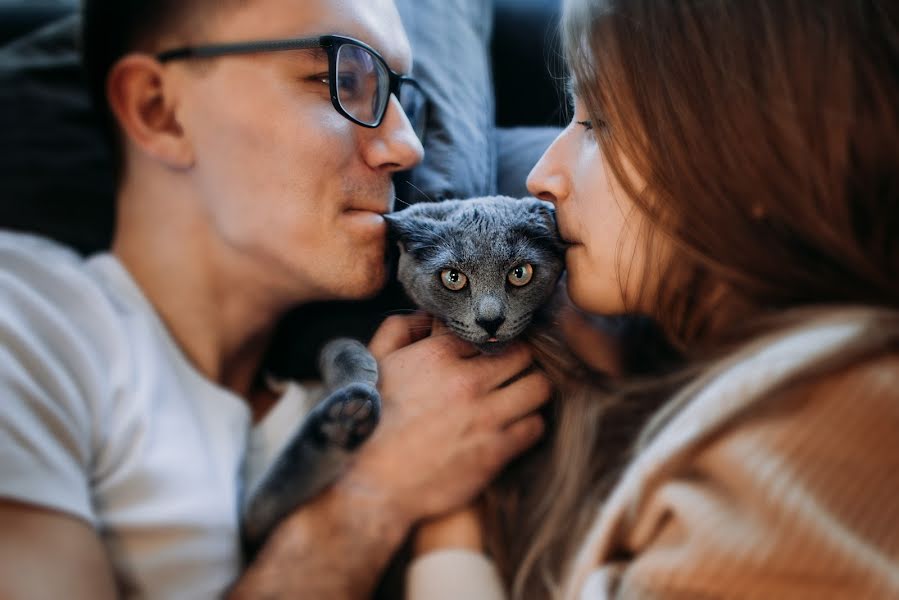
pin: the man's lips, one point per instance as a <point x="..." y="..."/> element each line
<point x="380" y="210"/>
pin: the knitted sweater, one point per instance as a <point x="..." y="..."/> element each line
<point x="777" y="479"/>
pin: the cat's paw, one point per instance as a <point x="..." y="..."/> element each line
<point x="347" y="416"/>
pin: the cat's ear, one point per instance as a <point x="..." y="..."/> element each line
<point x="543" y="216"/>
<point x="397" y="226"/>
<point x="546" y="214"/>
<point x="406" y="229"/>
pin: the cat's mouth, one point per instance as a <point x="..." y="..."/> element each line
<point x="493" y="344"/>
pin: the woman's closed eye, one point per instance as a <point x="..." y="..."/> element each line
<point x="591" y="124"/>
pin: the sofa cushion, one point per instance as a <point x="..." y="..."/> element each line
<point x="55" y="172"/>
<point x="450" y="44"/>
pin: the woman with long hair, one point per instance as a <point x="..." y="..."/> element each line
<point x="732" y="171"/>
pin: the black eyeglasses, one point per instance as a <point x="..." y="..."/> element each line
<point x="360" y="80"/>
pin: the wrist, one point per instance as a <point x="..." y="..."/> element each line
<point x="460" y="530"/>
<point x="378" y="512"/>
<point x="335" y="546"/>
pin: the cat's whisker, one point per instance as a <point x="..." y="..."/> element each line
<point x="420" y="191"/>
<point x="401" y="201"/>
<point x="399" y="311"/>
<point x="445" y="333"/>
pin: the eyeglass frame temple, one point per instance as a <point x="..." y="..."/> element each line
<point x="215" y="50"/>
<point x="396" y="80"/>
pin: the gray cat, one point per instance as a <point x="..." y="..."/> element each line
<point x="489" y="268"/>
<point x="484" y="266"/>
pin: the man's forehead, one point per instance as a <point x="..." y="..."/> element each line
<point x="375" y="22"/>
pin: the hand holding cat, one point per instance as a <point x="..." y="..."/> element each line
<point x="450" y="420"/>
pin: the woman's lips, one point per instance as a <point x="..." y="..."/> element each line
<point x="563" y="233"/>
<point x="568" y="240"/>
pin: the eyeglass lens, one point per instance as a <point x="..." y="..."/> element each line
<point x="363" y="88"/>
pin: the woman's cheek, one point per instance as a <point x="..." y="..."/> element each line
<point x="589" y="285"/>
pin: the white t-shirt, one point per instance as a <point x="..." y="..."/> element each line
<point x="103" y="418"/>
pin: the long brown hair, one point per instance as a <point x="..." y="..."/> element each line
<point x="762" y="138"/>
<point x="765" y="136"/>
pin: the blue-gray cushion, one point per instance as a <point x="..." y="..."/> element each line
<point x="517" y="151"/>
<point x="55" y="172"/>
<point x="451" y="44"/>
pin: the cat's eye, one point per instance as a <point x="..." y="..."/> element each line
<point x="453" y="279"/>
<point x="521" y="275"/>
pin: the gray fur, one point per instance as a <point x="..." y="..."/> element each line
<point x="322" y="443"/>
<point x="485" y="239"/>
<point x="344" y="361"/>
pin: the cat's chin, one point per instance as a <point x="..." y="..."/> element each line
<point x="492" y="347"/>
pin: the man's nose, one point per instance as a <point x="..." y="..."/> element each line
<point x="393" y="146"/>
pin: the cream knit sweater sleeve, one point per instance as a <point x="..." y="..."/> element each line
<point x="752" y="491"/>
<point x="453" y="574"/>
<point x="798" y="500"/>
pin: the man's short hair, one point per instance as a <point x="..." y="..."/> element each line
<point x="110" y="29"/>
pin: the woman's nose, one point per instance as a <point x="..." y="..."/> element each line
<point x="548" y="179"/>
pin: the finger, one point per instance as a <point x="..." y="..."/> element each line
<point x="398" y="331"/>
<point x="519" y="399"/>
<point x="496" y="369"/>
<point x="521" y="435"/>
<point x="446" y="341"/>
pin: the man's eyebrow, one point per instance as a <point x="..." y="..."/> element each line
<point x="314" y="53"/>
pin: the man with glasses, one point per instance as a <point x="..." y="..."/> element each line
<point x="256" y="142"/>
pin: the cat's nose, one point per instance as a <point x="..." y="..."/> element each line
<point x="490" y="325"/>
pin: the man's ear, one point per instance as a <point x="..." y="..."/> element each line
<point x="143" y="101"/>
